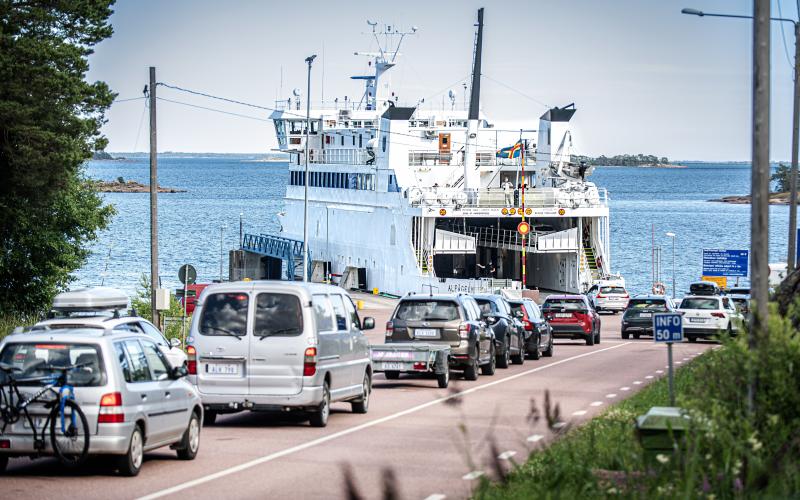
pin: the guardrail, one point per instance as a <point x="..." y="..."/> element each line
<point x="345" y="156"/>
<point x="497" y="198"/>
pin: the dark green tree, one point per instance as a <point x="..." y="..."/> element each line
<point x="50" y="119"/>
<point x="781" y="177"/>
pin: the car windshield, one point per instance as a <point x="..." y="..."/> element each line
<point x="486" y="306"/>
<point x="565" y="304"/>
<point x="613" y="289"/>
<point x="515" y="307"/>
<point x="427" y="310"/>
<point x="225" y="314"/>
<point x="34" y="363"/>
<point x="700" y="303"/>
<point x="649" y="304"/>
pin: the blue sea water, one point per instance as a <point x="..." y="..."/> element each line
<point x="220" y="188"/>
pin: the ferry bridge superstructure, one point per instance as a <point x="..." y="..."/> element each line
<point x="418" y="198"/>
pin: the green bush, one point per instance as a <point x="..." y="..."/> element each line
<point x="172" y="324"/>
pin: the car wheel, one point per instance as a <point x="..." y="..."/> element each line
<point x="209" y="417"/>
<point x="519" y="358"/>
<point x="626" y="335"/>
<point x="320" y="417"/>
<point x="190" y="443"/>
<point x="597" y="337"/>
<point x="549" y="352"/>
<point x="362" y="405"/>
<point x="504" y="358"/>
<point x="3" y="463"/>
<point x="691" y="338"/>
<point x="391" y="375"/>
<point x="471" y="371"/>
<point x="537" y="351"/>
<point x="590" y="339"/>
<point x="637" y="335"/>
<point x="443" y="379"/>
<point x="130" y="463"/>
<point x="490" y="367"/>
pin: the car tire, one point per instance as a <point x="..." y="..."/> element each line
<point x="130" y="463"/>
<point x="549" y="352"/>
<point x="362" y="404"/>
<point x="590" y="339"/>
<point x="626" y="335"/>
<point x="319" y="418"/>
<point x="597" y="337"/>
<point x="471" y="370"/>
<point x="443" y="379"/>
<point x="391" y="375"/>
<point x="691" y="338"/>
<point x="3" y="463"/>
<point x="537" y="351"/>
<point x="504" y="358"/>
<point x="490" y="367"/>
<point x="519" y="358"/>
<point x="190" y="442"/>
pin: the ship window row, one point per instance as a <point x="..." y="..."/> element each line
<point x="331" y="139"/>
<point x="337" y="180"/>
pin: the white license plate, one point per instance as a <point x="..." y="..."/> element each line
<point x="645" y="315"/>
<point x="697" y="320"/>
<point x="393" y="366"/>
<point x="563" y="315"/>
<point x="37" y="421"/>
<point x="427" y="333"/>
<point x="222" y="369"/>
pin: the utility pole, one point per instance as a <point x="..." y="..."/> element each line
<point x="759" y="218"/>
<point x="309" y="60"/>
<point x="154" y="281"/>
<point x="791" y="264"/>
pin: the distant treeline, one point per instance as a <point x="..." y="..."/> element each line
<point x="623" y="160"/>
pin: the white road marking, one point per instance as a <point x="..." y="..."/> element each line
<point x="366" y="425"/>
<point x="612" y="395"/>
<point x="637" y="382"/>
<point x="659" y="371"/>
<point x="648" y="376"/>
<point x="436" y="496"/>
<point x="506" y="455"/>
<point x="626" y="388"/>
<point x="679" y="362"/>
<point x="472" y="475"/>
<point x="559" y="425"/>
<point x="596" y="403"/>
<point x="535" y="438"/>
<point x="578" y="413"/>
<point x="686" y="359"/>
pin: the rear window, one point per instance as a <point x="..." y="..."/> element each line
<point x="699" y="303"/>
<point x="43" y="360"/>
<point x="486" y="306"/>
<point x="278" y="314"/>
<point x="428" y="310"/>
<point x="516" y="307"/>
<point x="225" y="314"/>
<point x="613" y="289"/>
<point x="649" y="304"/>
<point x="565" y="304"/>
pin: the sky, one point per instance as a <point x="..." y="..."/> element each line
<point x="644" y="77"/>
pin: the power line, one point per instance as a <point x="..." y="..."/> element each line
<point x="783" y="36"/>
<point x="213" y="109"/>
<point x="128" y="100"/>
<point x="203" y="94"/>
<point x="523" y="94"/>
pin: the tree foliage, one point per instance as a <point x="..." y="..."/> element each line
<point x="50" y="119"/>
<point x="623" y="160"/>
<point x="781" y="177"/>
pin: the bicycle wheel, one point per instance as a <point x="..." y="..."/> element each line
<point x="71" y="445"/>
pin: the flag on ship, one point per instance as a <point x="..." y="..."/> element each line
<point x="510" y="151"/>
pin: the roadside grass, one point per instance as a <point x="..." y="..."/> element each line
<point x="8" y="323"/>
<point x="726" y="453"/>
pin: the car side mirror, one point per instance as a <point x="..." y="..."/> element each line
<point x="490" y="320"/>
<point x="178" y="372"/>
<point x="368" y="323"/>
<point x="173" y="342"/>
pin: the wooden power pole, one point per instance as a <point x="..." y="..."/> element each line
<point x="154" y="281"/>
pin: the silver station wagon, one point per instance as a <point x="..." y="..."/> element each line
<point x="133" y="400"/>
<point x="278" y="346"/>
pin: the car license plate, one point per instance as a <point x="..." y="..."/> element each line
<point x="697" y="320"/>
<point x="645" y="315"/>
<point x="387" y="366"/>
<point x="37" y="421"/>
<point x="427" y="333"/>
<point x="222" y="369"/>
<point x="563" y="315"/>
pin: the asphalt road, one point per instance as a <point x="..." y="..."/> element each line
<point x="425" y="442"/>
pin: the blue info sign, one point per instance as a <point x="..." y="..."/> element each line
<point x="730" y="263"/>
<point x="667" y="327"/>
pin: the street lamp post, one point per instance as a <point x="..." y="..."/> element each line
<point x="309" y="60"/>
<point x="221" y="249"/>
<point x="672" y="235"/>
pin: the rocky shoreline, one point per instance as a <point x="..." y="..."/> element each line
<point x="774" y="199"/>
<point x="122" y="186"/>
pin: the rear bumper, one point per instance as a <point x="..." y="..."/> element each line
<point x="608" y="305"/>
<point x="308" y="397"/>
<point x="113" y="442"/>
<point x="568" y="331"/>
<point x="701" y="332"/>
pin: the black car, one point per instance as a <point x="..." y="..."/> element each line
<point x="637" y="319"/>
<point x="508" y="332"/>
<point x="538" y="333"/>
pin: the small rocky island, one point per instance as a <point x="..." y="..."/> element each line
<point x="122" y="186"/>
<point x="628" y="160"/>
<point x="774" y="199"/>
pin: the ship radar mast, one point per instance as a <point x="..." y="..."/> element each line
<point x="376" y="93"/>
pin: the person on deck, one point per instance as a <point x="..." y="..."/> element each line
<point x="508" y="190"/>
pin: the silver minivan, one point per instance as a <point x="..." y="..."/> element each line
<point x="278" y="346"/>
<point x="133" y="400"/>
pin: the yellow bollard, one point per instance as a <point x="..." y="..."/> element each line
<point x="359" y="304"/>
<point x="374" y="291"/>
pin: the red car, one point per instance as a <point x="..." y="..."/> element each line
<point x="572" y="317"/>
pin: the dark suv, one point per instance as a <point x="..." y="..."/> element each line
<point x="509" y="336"/>
<point x="539" y="335"/>
<point x="637" y="319"/>
<point x="454" y="320"/>
<point x="572" y="317"/>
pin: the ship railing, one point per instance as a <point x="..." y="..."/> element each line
<point x="498" y="198"/>
<point x="343" y="156"/>
<point x="433" y="158"/>
<point x="499" y="238"/>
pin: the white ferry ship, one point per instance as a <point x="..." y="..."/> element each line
<point x="412" y="198"/>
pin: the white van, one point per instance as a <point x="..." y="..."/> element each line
<point x="277" y="346"/>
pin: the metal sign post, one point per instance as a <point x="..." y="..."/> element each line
<point x="668" y="329"/>
<point x="187" y="274"/>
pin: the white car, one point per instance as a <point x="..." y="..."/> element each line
<point x="106" y="309"/>
<point x="609" y="297"/>
<point x="708" y="315"/>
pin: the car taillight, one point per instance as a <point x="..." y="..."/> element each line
<point x="111" y="409"/>
<point x="463" y="330"/>
<point x="310" y="362"/>
<point x="389" y="328"/>
<point x="626" y="296"/>
<point x="527" y="325"/>
<point x="583" y="319"/>
<point x="599" y="296"/>
<point x="191" y="360"/>
<point x="420" y="366"/>
<point x="718" y="315"/>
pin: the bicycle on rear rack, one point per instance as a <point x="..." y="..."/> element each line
<point x="66" y="422"/>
